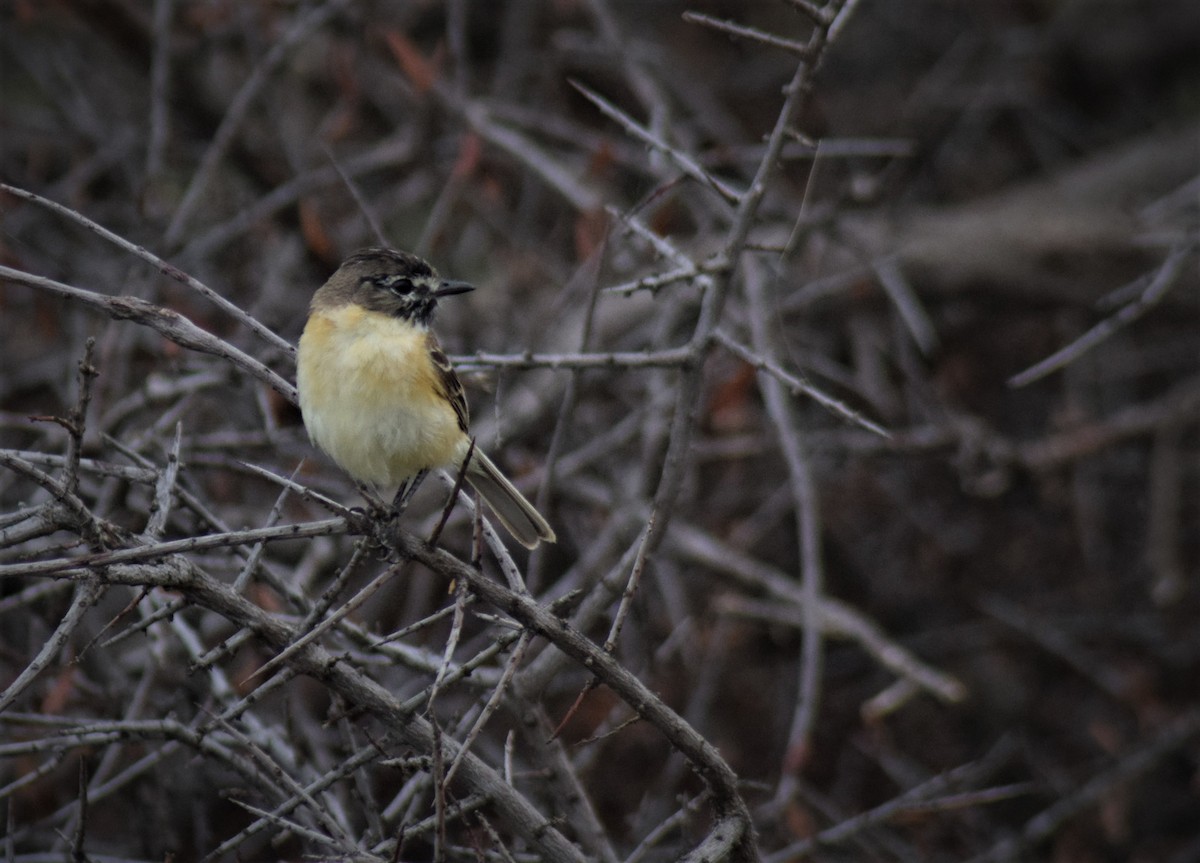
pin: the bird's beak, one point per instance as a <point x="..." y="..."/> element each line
<point x="449" y="289"/>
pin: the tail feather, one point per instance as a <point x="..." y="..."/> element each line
<point x="511" y="508"/>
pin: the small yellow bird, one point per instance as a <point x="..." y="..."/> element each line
<point x="378" y="394"/>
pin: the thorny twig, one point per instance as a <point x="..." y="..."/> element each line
<point x="165" y="528"/>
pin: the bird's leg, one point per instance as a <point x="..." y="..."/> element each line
<point x="374" y="518"/>
<point x="407" y="489"/>
<point x="375" y="508"/>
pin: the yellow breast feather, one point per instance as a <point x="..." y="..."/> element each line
<point x="370" y="396"/>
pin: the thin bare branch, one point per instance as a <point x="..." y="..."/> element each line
<point x="740" y="31"/>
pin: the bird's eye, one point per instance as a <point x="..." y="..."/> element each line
<point x="396" y="284"/>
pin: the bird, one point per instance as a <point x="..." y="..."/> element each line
<point x="380" y="397"/>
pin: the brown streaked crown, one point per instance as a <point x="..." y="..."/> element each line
<point x="392" y="282"/>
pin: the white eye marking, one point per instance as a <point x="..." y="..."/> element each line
<point x="397" y="283"/>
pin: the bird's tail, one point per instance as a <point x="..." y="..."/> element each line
<point x="512" y="509"/>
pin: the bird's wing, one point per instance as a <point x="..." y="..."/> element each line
<point x="449" y="386"/>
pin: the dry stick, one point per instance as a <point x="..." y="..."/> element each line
<point x="324" y="814"/>
<point x="798" y="385"/>
<point x="33" y="522"/>
<point x="654" y="283"/>
<point x="135" y="771"/>
<point x="254" y="558"/>
<point x="320" y="628"/>
<point x="916" y="320"/>
<point x="459" y="478"/>
<point x="887" y="701"/>
<point x="424" y="662"/>
<point x="325" y="601"/>
<point x="837" y="617"/>
<point x="822" y="16"/>
<point x="1046" y="823"/>
<point x="390" y="153"/>
<point x="77" y="840"/>
<point x="87" y="594"/>
<point x="443" y="205"/>
<point x="702" y="755"/>
<point x="160" y="67"/>
<point x="525" y="151"/>
<point x="687" y="403"/>
<point x="291" y="827"/>
<point x="1162" y="282"/>
<point x="603" y="587"/>
<point x="508" y="567"/>
<point x="225" y="692"/>
<point x="437" y="774"/>
<point x="509" y="746"/>
<point x="104" y="733"/>
<point x="843" y="621"/>
<point x="677" y="820"/>
<point x="1179" y="404"/>
<point x="1165" y="515"/>
<point x="442" y="776"/>
<point x="497" y="843"/>
<point x="68" y="511"/>
<point x="808" y="530"/>
<point x="152" y="551"/>
<point x="631" y="586"/>
<point x="588" y="277"/>
<point x="461" y="597"/>
<point x="468" y="670"/>
<point x="304" y="491"/>
<point x="920" y="798"/>
<point x="156" y="391"/>
<point x="223" y="137"/>
<point x="489" y="708"/>
<point x="284" y="754"/>
<point x="666" y="358"/>
<point x="166" y="322"/>
<point x="454" y="811"/>
<point x="77" y="419"/>
<point x="840" y="20"/>
<point x="356" y="193"/>
<point x="268" y="335"/>
<point x="1057" y="643"/>
<point x="21" y="514"/>
<point x="339" y="772"/>
<point x="684" y="162"/>
<point x="614" y="631"/>
<point x="733" y="830"/>
<point x="160" y="508"/>
<point x="410" y="729"/>
<point x="553" y="758"/>
<point x="644" y="86"/>
<point x="415" y="627"/>
<point x="740" y="31"/>
<point x="32" y="594"/>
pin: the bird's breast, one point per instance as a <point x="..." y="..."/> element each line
<point x="370" y="397"/>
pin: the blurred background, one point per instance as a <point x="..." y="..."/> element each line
<point x="980" y="235"/>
